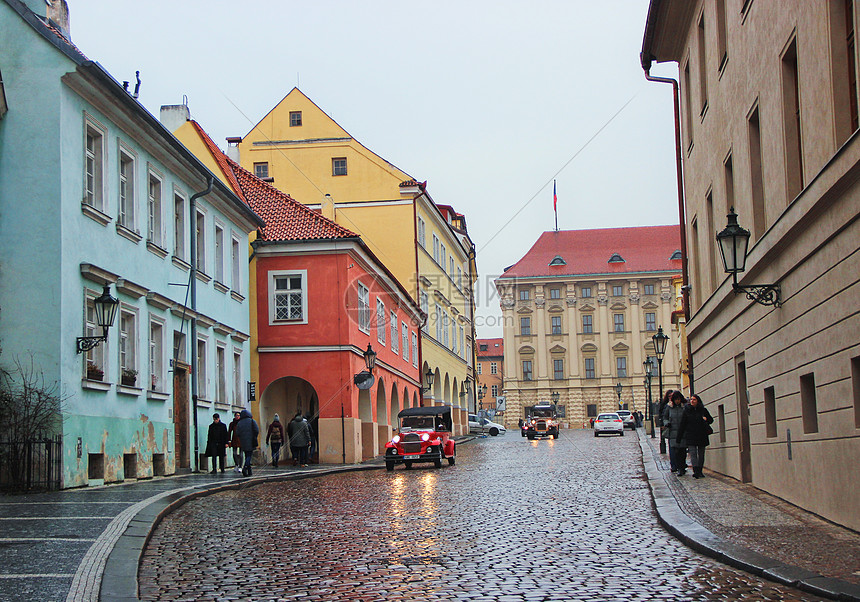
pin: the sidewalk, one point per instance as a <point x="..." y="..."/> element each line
<point x="744" y="527"/>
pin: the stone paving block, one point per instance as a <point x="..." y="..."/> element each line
<point x="788" y="575"/>
<point x="832" y="588"/>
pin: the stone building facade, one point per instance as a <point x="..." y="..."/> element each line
<point x="579" y="311"/>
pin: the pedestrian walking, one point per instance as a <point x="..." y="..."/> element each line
<point x="694" y="429"/>
<point x="233" y="437"/>
<point x="677" y="445"/>
<point x="300" y="437"/>
<point x="248" y="431"/>
<point x="275" y="438"/>
<point x="661" y="407"/>
<point x="216" y="443"/>
<point x="313" y="446"/>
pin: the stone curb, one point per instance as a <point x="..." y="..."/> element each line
<point x="697" y="537"/>
<point x="119" y="580"/>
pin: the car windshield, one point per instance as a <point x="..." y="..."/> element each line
<point x="624" y="413"/>
<point x="421" y="423"/>
<point x="542" y="412"/>
<point x="604" y="417"/>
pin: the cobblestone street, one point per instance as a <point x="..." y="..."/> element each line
<point x="513" y="520"/>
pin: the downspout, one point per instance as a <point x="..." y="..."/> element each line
<point x="682" y="213"/>
<point x="192" y="206"/>
<point x="418" y="300"/>
<point x="473" y="392"/>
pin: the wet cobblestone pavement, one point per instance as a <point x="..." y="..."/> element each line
<point x="514" y="520"/>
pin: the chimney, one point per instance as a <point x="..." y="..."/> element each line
<point x="58" y="15"/>
<point x="327" y="207"/>
<point x="233" y="148"/>
<point x="174" y="116"/>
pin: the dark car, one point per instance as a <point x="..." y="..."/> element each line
<point x="424" y="436"/>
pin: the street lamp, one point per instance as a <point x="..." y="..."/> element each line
<point x="428" y="378"/>
<point x="660" y="341"/>
<point x="554" y="395"/>
<point x="618" y="388"/>
<point x="649" y="366"/>
<point x="369" y="358"/>
<point x="105" y="309"/>
<point x="733" y="241"/>
<point x="482" y="391"/>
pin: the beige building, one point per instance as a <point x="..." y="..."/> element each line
<point x="579" y="312"/>
<point x="769" y="127"/>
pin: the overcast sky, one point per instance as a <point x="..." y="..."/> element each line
<point x="486" y="100"/>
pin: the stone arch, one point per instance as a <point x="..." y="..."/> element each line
<point x="385" y="427"/>
<point x="455" y="393"/>
<point x="446" y="390"/>
<point x="405" y="398"/>
<point x="285" y="396"/>
<point x="415" y="401"/>
<point x="437" y="386"/>
<point x="381" y="403"/>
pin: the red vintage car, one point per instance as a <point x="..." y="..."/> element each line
<point x="424" y="436"/>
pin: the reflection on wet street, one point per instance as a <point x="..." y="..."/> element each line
<point x="513" y="520"/>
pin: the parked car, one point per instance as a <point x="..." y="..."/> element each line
<point x="628" y="418"/>
<point x="424" y="436"/>
<point x="524" y="427"/>
<point x="608" y="423"/>
<point x="480" y="425"/>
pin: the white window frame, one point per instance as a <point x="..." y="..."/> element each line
<point x="445" y="332"/>
<point x="422" y="233"/>
<point x="100" y="354"/>
<point x="127" y="350"/>
<point x="273" y="291"/>
<point x="180" y="229"/>
<point x="480" y="368"/>
<point x="200" y="226"/>
<point x="462" y="338"/>
<point x="182" y="353"/>
<point x="494" y="368"/>
<point x="437" y="313"/>
<point x="127" y="188"/>
<point x="236" y="263"/>
<point x="436" y="243"/>
<point x="404" y="343"/>
<point x="221" y="372"/>
<point x="237" y="377"/>
<point x="363" y="308"/>
<point x="202" y="377"/>
<point x="395" y="336"/>
<point x="454" y="347"/>
<point x="415" y="349"/>
<point x="94" y="193"/>
<point x="156" y="356"/>
<point x="443" y="255"/>
<point x="219" y="252"/>
<point x="155" y="208"/>
<point x="424" y="300"/>
<point x="494" y="391"/>
<point x="380" y="321"/>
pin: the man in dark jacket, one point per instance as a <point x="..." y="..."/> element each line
<point x="216" y="442"/>
<point x="233" y="439"/>
<point x="300" y="438"/>
<point x="275" y="437"/>
<point x="248" y="430"/>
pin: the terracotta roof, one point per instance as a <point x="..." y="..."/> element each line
<point x="495" y="347"/>
<point x="285" y="217"/>
<point x="580" y="252"/>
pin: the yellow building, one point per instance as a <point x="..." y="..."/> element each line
<point x="302" y="151"/>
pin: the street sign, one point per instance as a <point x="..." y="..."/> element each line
<point x="501" y="404"/>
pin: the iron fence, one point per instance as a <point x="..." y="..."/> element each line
<point x="31" y="464"/>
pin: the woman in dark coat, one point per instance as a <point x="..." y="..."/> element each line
<point x="233" y="438"/>
<point x="661" y="408"/>
<point x="216" y="442"/>
<point x="677" y="446"/>
<point x="694" y="427"/>
<point x="247" y="430"/>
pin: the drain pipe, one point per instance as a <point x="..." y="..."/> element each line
<point x="192" y="206"/>
<point x="682" y="217"/>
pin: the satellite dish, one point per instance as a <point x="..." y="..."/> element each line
<point x="364" y="380"/>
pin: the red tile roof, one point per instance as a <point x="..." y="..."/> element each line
<point x="495" y="347"/>
<point x="643" y="249"/>
<point x="285" y="217"/>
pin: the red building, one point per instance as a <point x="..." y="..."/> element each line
<point x="321" y="299"/>
<point x="491" y="372"/>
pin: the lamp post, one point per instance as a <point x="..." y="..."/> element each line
<point x="660" y="341"/>
<point x="105" y="309"/>
<point x="618" y="388"/>
<point x="482" y="391"/>
<point x="649" y="366"/>
<point x="554" y="396"/>
<point x="733" y="241"/>
<point x="428" y="378"/>
<point x="369" y="358"/>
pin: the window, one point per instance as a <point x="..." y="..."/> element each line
<point x="261" y="170"/>
<point x="556" y="324"/>
<point x="435" y="248"/>
<point x="237" y="378"/>
<point x="459" y="278"/>
<point x="363" y="308"/>
<point x="179" y="226"/>
<point x="494" y="368"/>
<point x="703" y="65"/>
<point x="756" y="174"/>
<point x="451" y="266"/>
<point x="414" y="349"/>
<point x="338" y="166"/>
<point x="650" y="321"/>
<point x="711" y="251"/>
<point x="721" y="422"/>
<point x="156" y="356"/>
<point x="524" y="294"/>
<point x="555" y="293"/>
<point x="179" y="347"/>
<point x="648" y="289"/>
<point x="792" y="122"/>
<point x="236" y="263"/>
<point x="425" y="307"/>
<point x="445" y="334"/>
<point x="295" y="118"/>
<point x="527" y="369"/>
<point x="808" y="403"/>
<point x="589" y="367"/>
<point x="154" y="211"/>
<point x="525" y="326"/>
<point x="219" y="253"/>
<point x="618" y="321"/>
<point x="395" y="336"/>
<point x="483" y="347"/>
<point x="770" y="411"/>
<point x="454" y="346"/>
<point x="494" y="391"/>
<point x="437" y="314"/>
<point x="95" y="357"/>
<point x="729" y="180"/>
<point x="288" y="298"/>
<point x="722" y="49"/>
<point x="617" y="291"/>
<point x="127" y="343"/>
<point x="125" y="208"/>
<point x="201" y="242"/>
<point x="846" y="47"/>
<point x="421" y="233"/>
<point x="686" y="86"/>
<point x="201" y="368"/>
<point x="479" y="368"/>
<point x="621" y="367"/>
<point x="380" y="321"/>
<point x="558" y="369"/>
<point x="587" y="323"/>
<point x="404" y="340"/>
<point x="586" y="292"/>
<point x="221" y="371"/>
<point x="442" y="255"/>
<point x="94" y="168"/>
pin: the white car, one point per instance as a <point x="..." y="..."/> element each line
<point x="608" y="423"/>
<point x="628" y="418"/>
<point x="480" y="425"/>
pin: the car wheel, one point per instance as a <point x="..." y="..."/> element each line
<point x="438" y="462"/>
<point x="531" y="437"/>
<point x="451" y="461"/>
<point x="596" y="433"/>
<point x="622" y="432"/>
<point x="494" y="431"/>
<point x="389" y="466"/>
<point x="408" y="464"/>
<point x="522" y="434"/>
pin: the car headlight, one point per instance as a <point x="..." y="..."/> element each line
<point x="425" y="437"/>
<point x="396" y="439"/>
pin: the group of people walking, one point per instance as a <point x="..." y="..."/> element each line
<point x="686" y="427"/>
<point x="242" y="437"/>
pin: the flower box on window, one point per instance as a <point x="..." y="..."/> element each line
<point x="129" y="377"/>
<point x="94" y="372"/>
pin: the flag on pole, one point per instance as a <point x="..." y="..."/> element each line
<point x="555" y="205"/>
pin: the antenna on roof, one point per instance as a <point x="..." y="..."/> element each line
<point x="137" y="85"/>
